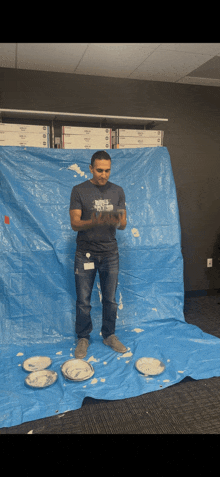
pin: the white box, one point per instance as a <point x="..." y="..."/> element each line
<point x="128" y="146"/>
<point x="25" y="128"/>
<point x="25" y="143"/>
<point x="86" y="131"/>
<point x="139" y="141"/>
<point x="98" y="147"/>
<point x="21" y="135"/>
<point x="139" y="133"/>
<point x="79" y="142"/>
<point x="87" y="146"/>
<point x="31" y="140"/>
<point x="85" y="139"/>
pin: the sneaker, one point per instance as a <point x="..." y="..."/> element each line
<point x="81" y="349"/>
<point x="115" y="344"/>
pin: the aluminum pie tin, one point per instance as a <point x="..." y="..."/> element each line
<point x="77" y="370"/>
<point x="150" y="366"/>
<point x="36" y="363"/>
<point x="41" y="379"/>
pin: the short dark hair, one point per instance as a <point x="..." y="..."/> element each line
<point x="99" y="155"/>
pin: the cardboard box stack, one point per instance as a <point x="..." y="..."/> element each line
<point x="24" y="135"/>
<point x="127" y="138"/>
<point x="86" y="138"/>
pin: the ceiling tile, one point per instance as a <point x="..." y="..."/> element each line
<point x="7" y="55"/>
<point x="210" y="69"/>
<point x="63" y="57"/>
<point x="170" y="64"/>
<point x="203" y="48"/>
<point x="114" y="59"/>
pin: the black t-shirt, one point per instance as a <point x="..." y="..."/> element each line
<point x="90" y="198"/>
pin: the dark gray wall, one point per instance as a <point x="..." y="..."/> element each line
<point x="191" y="135"/>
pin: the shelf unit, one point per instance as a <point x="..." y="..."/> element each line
<point x="57" y="119"/>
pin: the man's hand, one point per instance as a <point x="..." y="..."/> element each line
<point x="106" y="219"/>
<point x="112" y="220"/>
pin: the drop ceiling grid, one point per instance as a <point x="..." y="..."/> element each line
<point x="172" y="62"/>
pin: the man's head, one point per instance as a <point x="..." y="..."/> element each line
<point x="100" y="167"/>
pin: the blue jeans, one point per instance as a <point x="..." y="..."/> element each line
<point x="108" y="268"/>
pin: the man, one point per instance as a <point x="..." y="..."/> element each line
<point x="97" y="208"/>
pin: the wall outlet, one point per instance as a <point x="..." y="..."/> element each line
<point x="209" y="262"/>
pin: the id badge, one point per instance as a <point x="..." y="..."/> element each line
<point x="89" y="266"/>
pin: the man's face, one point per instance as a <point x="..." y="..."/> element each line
<point x="101" y="171"/>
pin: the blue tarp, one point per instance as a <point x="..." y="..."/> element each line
<point x="37" y="283"/>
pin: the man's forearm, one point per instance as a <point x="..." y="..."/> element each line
<point x="122" y="227"/>
<point x="82" y="225"/>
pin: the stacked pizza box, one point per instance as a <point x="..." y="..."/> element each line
<point x="86" y="138"/>
<point x="127" y="138"/>
<point x="24" y="135"/>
